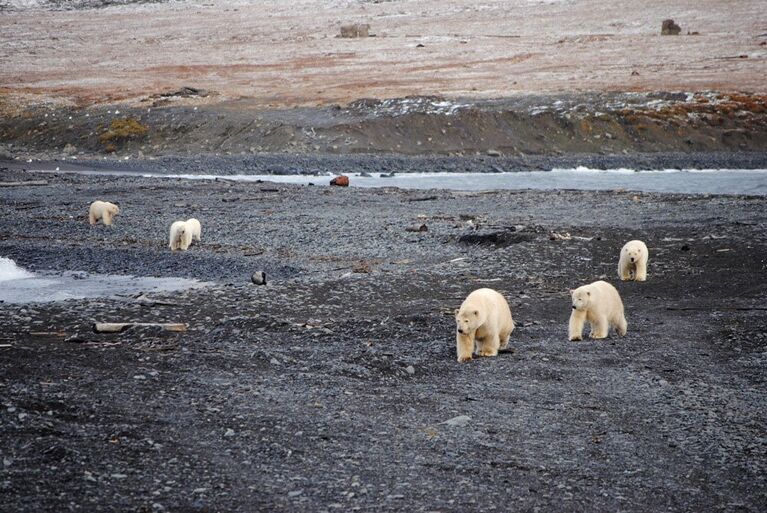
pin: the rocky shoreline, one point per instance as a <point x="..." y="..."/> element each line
<point x="335" y="386"/>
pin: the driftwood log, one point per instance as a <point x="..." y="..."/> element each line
<point x="118" y="327"/>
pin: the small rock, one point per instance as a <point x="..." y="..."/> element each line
<point x="685" y="247"/>
<point x="340" y="181"/>
<point x="669" y="28"/>
<point x="118" y="476"/>
<point x="417" y="228"/>
<point x="459" y="421"/>
<point x="258" y="278"/>
<point x="274" y="361"/>
<point x="410" y="369"/>
<point x="365" y="174"/>
<point x="229" y="432"/>
<point x="493" y="153"/>
<point x="295" y="493"/>
<point x="355" y="30"/>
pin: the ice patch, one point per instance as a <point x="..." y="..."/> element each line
<point x="10" y="271"/>
<point x="21" y="286"/>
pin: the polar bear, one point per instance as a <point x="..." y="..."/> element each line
<point x="633" y="261"/>
<point x="102" y="210"/>
<point x="194" y="226"/>
<point x="601" y="305"/>
<point x="180" y="236"/>
<point x="484" y="318"/>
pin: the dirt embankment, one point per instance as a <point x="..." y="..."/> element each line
<point x="532" y="125"/>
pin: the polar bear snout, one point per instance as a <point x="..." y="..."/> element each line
<point x="633" y="260"/>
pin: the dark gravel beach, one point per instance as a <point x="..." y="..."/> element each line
<point x="335" y="386"/>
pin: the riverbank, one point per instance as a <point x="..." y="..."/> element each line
<point x="594" y="126"/>
<point x="331" y="387"/>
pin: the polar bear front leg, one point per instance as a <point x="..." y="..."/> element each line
<point x="575" y="330"/>
<point x="106" y="218"/>
<point x="489" y="345"/>
<point x="92" y="218"/>
<point x="624" y="270"/>
<point x="641" y="271"/>
<point x="464" y="346"/>
<point x="599" y="327"/>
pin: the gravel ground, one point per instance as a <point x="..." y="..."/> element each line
<point x="331" y="388"/>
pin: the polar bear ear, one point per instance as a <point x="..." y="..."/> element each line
<point x="571" y="291"/>
<point x="456" y="311"/>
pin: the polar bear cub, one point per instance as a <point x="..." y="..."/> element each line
<point x="633" y="261"/>
<point x="485" y="319"/>
<point x="102" y="211"/>
<point x="601" y="305"/>
<point x="180" y="236"/>
<point x="194" y="226"/>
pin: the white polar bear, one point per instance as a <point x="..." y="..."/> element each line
<point x="180" y="236"/>
<point x="601" y="305"/>
<point x="194" y="226"/>
<point x="484" y="318"/>
<point x="102" y="210"/>
<point x="633" y="261"/>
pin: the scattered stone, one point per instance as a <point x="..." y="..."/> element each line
<point x="258" y="278"/>
<point x="410" y="369"/>
<point x="69" y="149"/>
<point x="340" y="181"/>
<point x="669" y="28"/>
<point x="685" y="247"/>
<point x="493" y="153"/>
<point x="295" y="493"/>
<point x="355" y="30"/>
<point x="417" y="228"/>
<point x="365" y="174"/>
<point x="459" y="421"/>
<point x="229" y="432"/>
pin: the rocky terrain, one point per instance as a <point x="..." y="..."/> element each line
<point x="335" y="387"/>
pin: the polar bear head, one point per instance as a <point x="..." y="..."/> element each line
<point x="581" y="298"/>
<point x="113" y="209"/>
<point x="632" y="252"/>
<point x="467" y="321"/>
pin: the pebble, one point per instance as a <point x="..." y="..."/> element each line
<point x="410" y="369"/>
<point x="459" y="421"/>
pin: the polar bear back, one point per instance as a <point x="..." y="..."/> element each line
<point x="494" y="311"/>
<point x="193" y="225"/>
<point x="605" y="299"/>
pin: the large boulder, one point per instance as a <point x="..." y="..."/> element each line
<point x="669" y="28"/>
